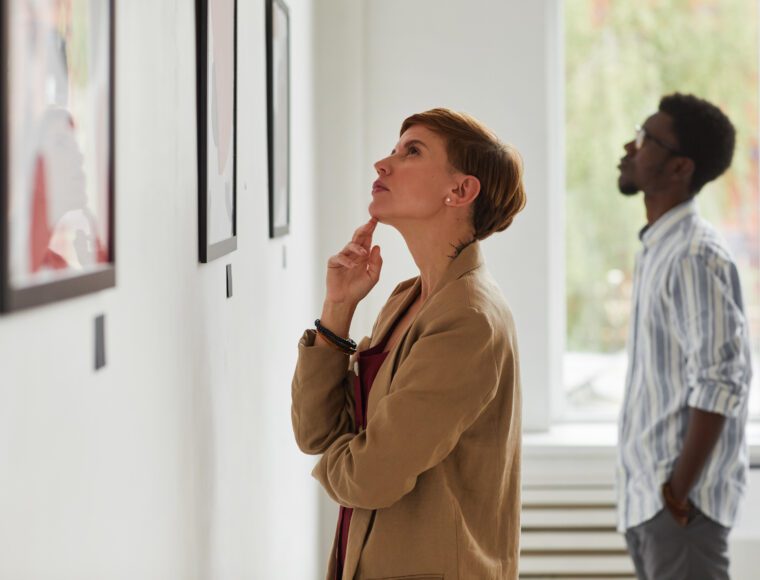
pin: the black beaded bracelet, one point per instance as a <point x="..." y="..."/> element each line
<point x="346" y="344"/>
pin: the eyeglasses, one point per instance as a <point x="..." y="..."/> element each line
<point x="642" y="135"/>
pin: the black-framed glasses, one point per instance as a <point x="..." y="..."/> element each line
<point x="642" y="135"/>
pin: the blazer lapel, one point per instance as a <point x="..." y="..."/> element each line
<point x="468" y="260"/>
<point x="394" y="310"/>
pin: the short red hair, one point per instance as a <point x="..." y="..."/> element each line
<point x="474" y="150"/>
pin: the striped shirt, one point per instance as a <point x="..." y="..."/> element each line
<point x="688" y="347"/>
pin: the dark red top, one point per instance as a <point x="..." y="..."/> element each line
<point x="370" y="362"/>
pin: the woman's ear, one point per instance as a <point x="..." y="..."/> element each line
<point x="466" y="191"/>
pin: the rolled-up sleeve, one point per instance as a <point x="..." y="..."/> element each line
<point x="711" y="327"/>
<point x="322" y="402"/>
<point x="440" y="388"/>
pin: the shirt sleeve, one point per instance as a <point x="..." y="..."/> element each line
<point x="711" y="327"/>
<point x="438" y="391"/>
<point x="322" y="400"/>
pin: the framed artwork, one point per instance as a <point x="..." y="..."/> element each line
<point x="57" y="153"/>
<point x="216" y="22"/>
<point x="278" y="113"/>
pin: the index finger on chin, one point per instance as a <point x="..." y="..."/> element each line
<point x="363" y="234"/>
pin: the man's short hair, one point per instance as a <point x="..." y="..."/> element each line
<point x="705" y="135"/>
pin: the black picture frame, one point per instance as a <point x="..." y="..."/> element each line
<point x="278" y="115"/>
<point x="217" y="95"/>
<point x="57" y="189"/>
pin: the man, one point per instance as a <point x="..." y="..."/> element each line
<point x="682" y="460"/>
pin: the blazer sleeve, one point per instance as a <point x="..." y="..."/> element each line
<point x="322" y="399"/>
<point x="438" y="391"/>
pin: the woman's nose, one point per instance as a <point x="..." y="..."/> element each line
<point x="383" y="166"/>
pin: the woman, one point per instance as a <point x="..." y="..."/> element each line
<point x="419" y="427"/>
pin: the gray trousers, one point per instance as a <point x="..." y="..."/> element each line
<point x="663" y="550"/>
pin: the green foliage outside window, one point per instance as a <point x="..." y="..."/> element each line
<point x="621" y="57"/>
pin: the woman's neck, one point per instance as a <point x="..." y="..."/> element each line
<point x="432" y="252"/>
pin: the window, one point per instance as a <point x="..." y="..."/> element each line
<point x="620" y="58"/>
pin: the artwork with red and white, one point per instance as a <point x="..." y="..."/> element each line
<point x="59" y="140"/>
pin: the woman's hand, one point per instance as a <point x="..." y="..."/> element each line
<point x="351" y="274"/>
<point x="354" y="271"/>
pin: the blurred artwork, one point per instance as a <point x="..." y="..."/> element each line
<point x="279" y="118"/>
<point x="221" y="95"/>
<point x="217" y="137"/>
<point x="58" y="115"/>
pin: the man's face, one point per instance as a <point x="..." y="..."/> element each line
<point x="645" y="167"/>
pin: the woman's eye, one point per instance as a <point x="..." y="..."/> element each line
<point x="413" y="151"/>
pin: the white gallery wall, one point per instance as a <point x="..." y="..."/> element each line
<point x="176" y="461"/>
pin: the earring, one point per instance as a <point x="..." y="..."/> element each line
<point x="448" y="200"/>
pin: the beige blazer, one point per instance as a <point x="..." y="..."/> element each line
<point x="434" y="480"/>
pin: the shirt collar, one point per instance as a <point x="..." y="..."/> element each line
<point x="651" y="234"/>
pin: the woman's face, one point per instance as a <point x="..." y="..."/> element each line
<point x="414" y="180"/>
